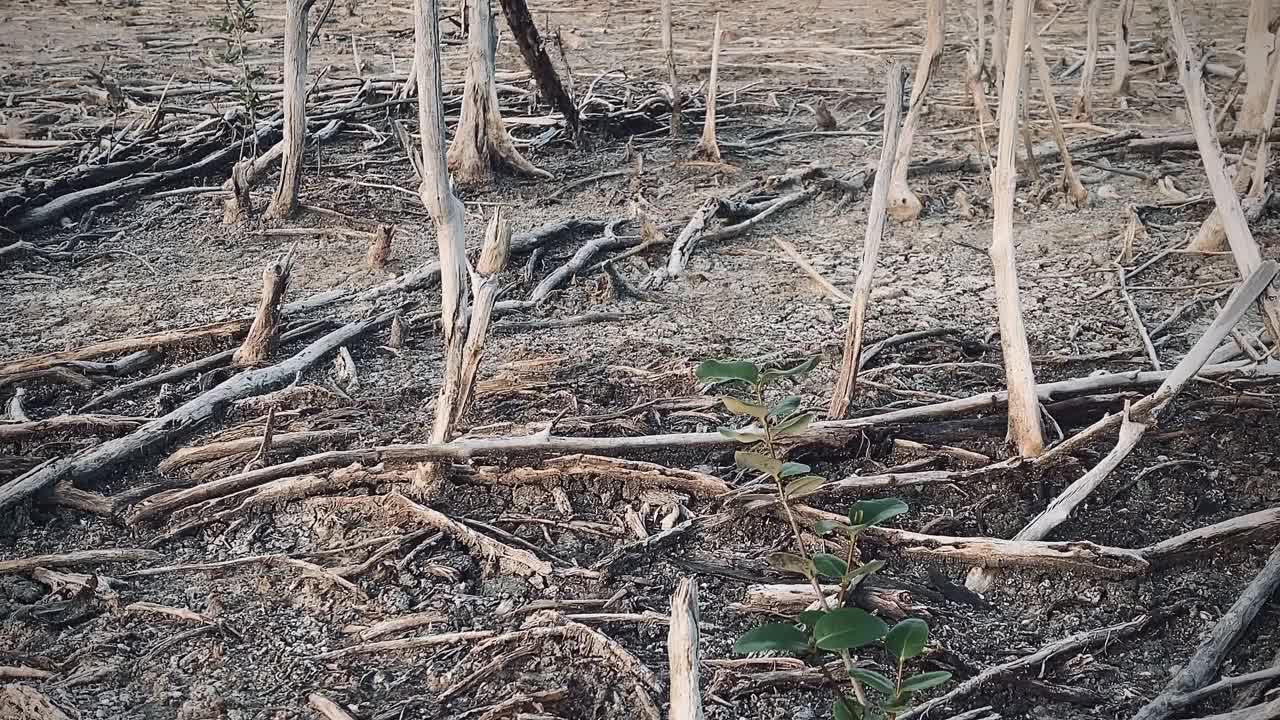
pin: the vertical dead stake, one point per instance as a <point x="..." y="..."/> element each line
<point x="682" y="652"/>
<point x="1084" y="97"/>
<point x="1070" y="180"/>
<point x="446" y="212"/>
<point x="257" y="345"/>
<point x="707" y="148"/>
<point x="1024" y="408"/>
<point x="493" y="260"/>
<point x="380" y="247"/>
<point x="525" y="33"/>
<point x="285" y="199"/>
<point x="846" y="384"/>
<point x="903" y="204"/>
<point x="668" y="48"/>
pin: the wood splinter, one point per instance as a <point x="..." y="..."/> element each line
<point x="258" y="344"/>
<point x="682" y="652"/>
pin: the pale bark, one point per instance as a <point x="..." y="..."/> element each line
<point x="707" y="148"/>
<point x="285" y="200"/>
<point x="903" y="203"/>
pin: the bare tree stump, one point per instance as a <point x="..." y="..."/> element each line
<point x="480" y="141"/>
<point x="846" y="384"/>
<point x="1120" y="81"/>
<point x="1024" y="408"/>
<point x="535" y="56"/>
<point x="708" y="149"/>
<point x="484" y="282"/>
<point x="285" y="199"/>
<point x="682" y="652"/>
<point x="1084" y="97"/>
<point x="904" y="206"/>
<point x="380" y="247"/>
<point x="258" y="344"/>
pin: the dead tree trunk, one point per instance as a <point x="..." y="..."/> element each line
<point x="257" y="345"/>
<point x="999" y="35"/>
<point x="708" y="149"/>
<point x="535" y="56"/>
<point x="903" y="204"/>
<point x="1084" y="98"/>
<point x="1024" y="408"/>
<point x="445" y="209"/>
<point x="846" y="384"/>
<point x="1236" y="225"/>
<point x="668" y="49"/>
<point x="480" y="141"/>
<point x="1120" y="81"/>
<point x="1071" y="184"/>
<point x="285" y="199"/>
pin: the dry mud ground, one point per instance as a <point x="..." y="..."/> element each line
<point x="176" y="264"/>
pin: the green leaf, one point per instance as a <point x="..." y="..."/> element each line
<point x="873" y="679"/>
<point x="793" y="425"/>
<point x="907" y="639"/>
<point x="846" y="709"/>
<point x="857" y="574"/>
<point x="797" y="370"/>
<point x="866" y="513"/>
<point x="757" y="461"/>
<point x="774" y="636"/>
<point x="846" y="628"/>
<point x="902" y="705"/>
<point x="718" y="371"/>
<point x="793" y="468"/>
<point x="826" y="527"/>
<point x="789" y="562"/>
<point x="737" y="407"/>
<point x="785" y="406"/>
<point x="924" y="681"/>
<point x="742" y="436"/>
<point x="806" y="485"/>
<point x="830" y="566"/>
<point x="810" y="618"/>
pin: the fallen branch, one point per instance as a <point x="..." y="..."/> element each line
<point x="183" y="419"/>
<point x="1147" y="411"/>
<point x="1203" y="664"/>
<point x="490" y="551"/>
<point x="279" y="441"/>
<point x="1033" y="662"/>
<point x="327" y="708"/>
<point x="79" y="558"/>
<point x="87" y="424"/>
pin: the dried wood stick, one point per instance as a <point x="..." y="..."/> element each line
<point x="1135" y="422"/>
<point x="308" y="569"/>
<point x="171" y="426"/>
<point x="521" y="562"/>
<point x="78" y="559"/>
<point x="831" y="291"/>
<point x="1244" y="247"/>
<point x="180" y="613"/>
<point x="707" y="148"/>
<point x="682" y="652"/>
<point x="88" y="424"/>
<point x="409" y="643"/>
<point x="1070" y="180"/>
<point x="396" y="624"/>
<point x="636" y="474"/>
<point x="1032" y="662"/>
<point x="682" y="248"/>
<point x="281" y="441"/>
<point x="902" y="202"/>
<point x="1261" y="711"/>
<point x="493" y="260"/>
<point x="1083" y="110"/>
<point x="1203" y="663"/>
<point x="165" y="338"/>
<point x="838" y="432"/>
<point x="327" y="708"/>
<point x="1024" y="410"/>
<point x="285" y="199"/>
<point x="846" y="383"/>
<point x="1260" y="526"/>
<point x="261" y="339"/>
